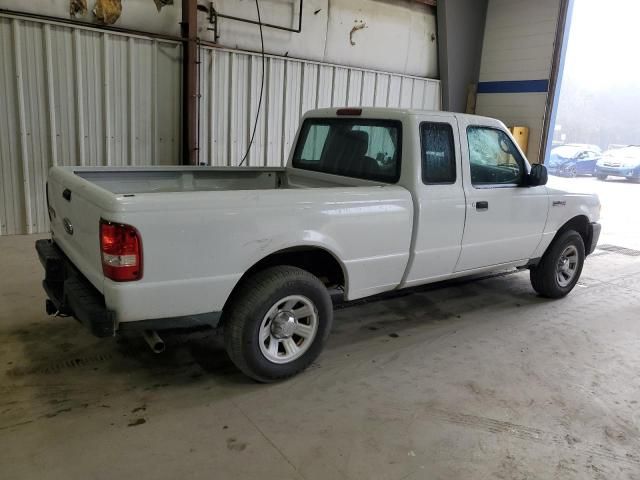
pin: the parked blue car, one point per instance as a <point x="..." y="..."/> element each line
<point x="573" y="159"/>
<point x="620" y="162"/>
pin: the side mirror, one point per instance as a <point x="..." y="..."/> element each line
<point x="537" y="176"/>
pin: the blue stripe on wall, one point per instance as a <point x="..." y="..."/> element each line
<point x="514" y="86"/>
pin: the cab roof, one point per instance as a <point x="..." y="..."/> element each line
<point x="388" y="112"/>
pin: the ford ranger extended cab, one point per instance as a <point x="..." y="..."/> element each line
<point x="371" y="200"/>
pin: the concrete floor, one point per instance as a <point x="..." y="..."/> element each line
<point x="481" y="380"/>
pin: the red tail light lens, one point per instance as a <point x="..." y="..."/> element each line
<point x="121" y="250"/>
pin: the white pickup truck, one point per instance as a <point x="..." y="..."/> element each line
<point x="371" y="200"/>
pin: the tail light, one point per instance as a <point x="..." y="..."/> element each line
<point x="121" y="250"/>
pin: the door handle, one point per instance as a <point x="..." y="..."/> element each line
<point x="483" y="205"/>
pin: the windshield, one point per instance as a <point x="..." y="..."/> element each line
<point x="351" y="147"/>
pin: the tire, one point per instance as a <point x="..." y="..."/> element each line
<point x="601" y="177"/>
<point x="547" y="278"/>
<point x="572" y="172"/>
<point x="273" y="303"/>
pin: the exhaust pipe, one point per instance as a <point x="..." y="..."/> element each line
<point x="154" y="341"/>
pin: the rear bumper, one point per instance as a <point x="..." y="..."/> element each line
<point x="70" y="293"/>
<point x="594" y="235"/>
<point x="619" y="172"/>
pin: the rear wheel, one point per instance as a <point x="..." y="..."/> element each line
<point x="277" y="323"/>
<point x="601" y="177"/>
<point x="560" y="267"/>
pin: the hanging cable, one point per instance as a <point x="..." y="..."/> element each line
<point x="255" y="125"/>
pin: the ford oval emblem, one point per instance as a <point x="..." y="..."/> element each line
<point x="68" y="227"/>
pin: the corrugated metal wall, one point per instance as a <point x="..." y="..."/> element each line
<point x="230" y="90"/>
<point x="76" y="96"/>
<point x="71" y="95"/>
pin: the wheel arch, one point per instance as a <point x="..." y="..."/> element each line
<point x="314" y="259"/>
<point x="579" y="223"/>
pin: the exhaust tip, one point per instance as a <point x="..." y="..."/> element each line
<point x="156" y="344"/>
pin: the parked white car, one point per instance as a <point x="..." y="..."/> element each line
<point x="371" y="200"/>
<point x="620" y="162"/>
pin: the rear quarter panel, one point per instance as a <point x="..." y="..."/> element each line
<point x="197" y="245"/>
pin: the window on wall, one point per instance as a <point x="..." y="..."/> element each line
<point x="493" y="157"/>
<point x="359" y="148"/>
<point x="438" y="153"/>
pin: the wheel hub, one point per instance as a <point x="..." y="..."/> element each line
<point x="283" y="325"/>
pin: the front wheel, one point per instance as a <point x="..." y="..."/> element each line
<point x="277" y="322"/>
<point x="560" y="266"/>
<point x="601" y="177"/>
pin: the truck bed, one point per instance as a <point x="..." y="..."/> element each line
<point x="121" y="181"/>
<point x="188" y="216"/>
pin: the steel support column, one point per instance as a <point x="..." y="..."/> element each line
<point x="190" y="82"/>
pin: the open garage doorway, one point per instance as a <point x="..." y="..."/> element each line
<point x="594" y="141"/>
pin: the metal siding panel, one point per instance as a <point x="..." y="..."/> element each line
<point x="240" y="123"/>
<point x="292" y="87"/>
<point x="51" y="109"/>
<point x="142" y="133"/>
<point x="92" y="68"/>
<point x="169" y="98"/>
<point x="368" y="89"/>
<point x="257" y="153"/>
<point x="220" y="84"/>
<point x="325" y="85"/>
<point x="119" y="95"/>
<point x="22" y="132"/>
<point x="417" y="96"/>
<point x="292" y="106"/>
<point x="406" y="92"/>
<point x="35" y="121"/>
<point x="394" y="91"/>
<point x="106" y="98"/>
<point x="275" y="112"/>
<point x="64" y="88"/>
<point x="12" y="206"/>
<point x="72" y="96"/>
<point x="354" y="96"/>
<point x="340" y="87"/>
<point x="382" y="90"/>
<point x="309" y="86"/>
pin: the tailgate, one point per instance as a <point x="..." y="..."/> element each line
<point x="75" y="224"/>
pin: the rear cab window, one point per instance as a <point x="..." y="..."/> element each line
<point x="368" y="149"/>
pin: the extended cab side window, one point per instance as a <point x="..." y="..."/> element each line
<point x="438" y="153"/>
<point x="494" y="159"/>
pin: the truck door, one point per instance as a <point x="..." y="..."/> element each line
<point x="439" y="201"/>
<point x="504" y="220"/>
